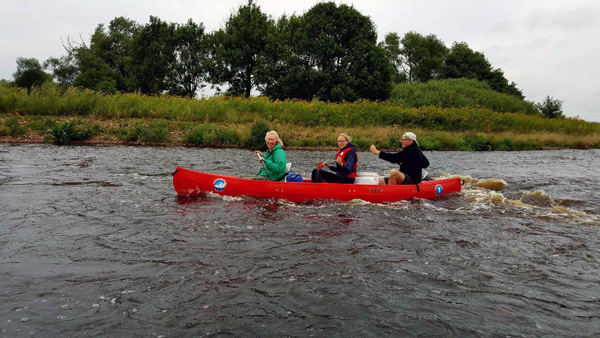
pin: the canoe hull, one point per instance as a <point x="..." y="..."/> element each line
<point x="192" y="183"/>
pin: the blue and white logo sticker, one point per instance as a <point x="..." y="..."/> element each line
<point x="439" y="189"/>
<point x="220" y="184"/>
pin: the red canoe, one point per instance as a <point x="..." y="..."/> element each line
<point x="190" y="183"/>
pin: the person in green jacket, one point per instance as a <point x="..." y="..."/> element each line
<point x="274" y="160"/>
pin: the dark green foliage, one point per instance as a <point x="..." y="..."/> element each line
<point x="550" y="108"/>
<point x="64" y="70"/>
<point x="330" y="53"/>
<point x="29" y="74"/>
<point x="391" y="46"/>
<point x="12" y="127"/>
<point x="422" y="57"/>
<point x="504" y="144"/>
<point x="238" y="51"/>
<point x="155" y="132"/>
<point x="463" y="62"/>
<point x="394" y="142"/>
<point x="430" y="144"/>
<point x="7" y="84"/>
<point x="153" y="55"/>
<point x="361" y="143"/>
<point x="68" y="132"/>
<point x="190" y="67"/>
<point x="520" y="145"/>
<point x="308" y="143"/>
<point x="475" y="142"/>
<point x="106" y="65"/>
<point x="211" y="135"/>
<point x="36" y="123"/>
<point x="458" y="93"/>
<point x="257" y="134"/>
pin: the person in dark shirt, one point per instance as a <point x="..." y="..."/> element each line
<point x="344" y="171"/>
<point x="411" y="160"/>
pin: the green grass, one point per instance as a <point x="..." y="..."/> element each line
<point x="156" y="131"/>
<point x="458" y="93"/>
<point x="12" y="127"/>
<point x="211" y="135"/>
<point x="222" y="110"/>
<point x="223" y="121"/>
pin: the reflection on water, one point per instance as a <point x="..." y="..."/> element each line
<point x="94" y="241"/>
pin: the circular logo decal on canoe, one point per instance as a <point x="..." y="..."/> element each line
<point x="439" y="189"/>
<point x="220" y="184"/>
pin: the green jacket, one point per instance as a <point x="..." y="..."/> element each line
<point x="275" y="161"/>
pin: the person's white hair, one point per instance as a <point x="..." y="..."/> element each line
<point x="274" y="133"/>
<point x="344" y="135"/>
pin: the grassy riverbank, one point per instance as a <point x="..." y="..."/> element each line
<point x="94" y="118"/>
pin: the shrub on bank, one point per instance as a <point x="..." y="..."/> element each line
<point x="257" y="134"/>
<point x="12" y="127"/>
<point x="223" y="110"/>
<point x="211" y="135"/>
<point x="154" y="132"/>
<point x="68" y="132"/>
<point x="449" y="93"/>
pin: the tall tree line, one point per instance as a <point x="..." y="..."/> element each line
<point x="330" y="53"/>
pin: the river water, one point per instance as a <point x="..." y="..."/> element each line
<point x="94" y="242"/>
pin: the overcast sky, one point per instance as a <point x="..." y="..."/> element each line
<point x="547" y="47"/>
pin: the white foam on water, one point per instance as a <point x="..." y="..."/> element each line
<point x="484" y="195"/>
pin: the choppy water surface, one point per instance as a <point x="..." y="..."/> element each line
<point x="94" y="242"/>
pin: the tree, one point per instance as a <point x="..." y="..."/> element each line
<point x="237" y="51"/>
<point x="283" y="72"/>
<point x="104" y="65"/>
<point x="550" y="108"/>
<point x="64" y="70"/>
<point x="463" y="62"/>
<point x="422" y="57"/>
<point x="7" y="84"/>
<point x="331" y="54"/>
<point x="153" y="55"/>
<point x="29" y="74"/>
<point x="391" y="45"/>
<point x="114" y="48"/>
<point x="190" y="68"/>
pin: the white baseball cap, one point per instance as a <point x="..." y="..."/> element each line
<point x="411" y="136"/>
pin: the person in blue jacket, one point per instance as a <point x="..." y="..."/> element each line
<point x="344" y="171"/>
<point x="411" y="160"/>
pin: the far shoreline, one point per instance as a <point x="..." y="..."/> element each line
<point x="98" y="142"/>
<point x="152" y="132"/>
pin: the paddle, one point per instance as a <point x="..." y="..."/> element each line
<point x="263" y="164"/>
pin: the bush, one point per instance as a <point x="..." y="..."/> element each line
<point x="258" y="110"/>
<point x="475" y="142"/>
<point x="257" y="133"/>
<point x="361" y="143"/>
<point x="458" y="93"/>
<point x="430" y="144"/>
<point x="551" y="108"/>
<point x="308" y="143"/>
<point x="527" y="145"/>
<point x="211" y="135"/>
<point x="394" y="142"/>
<point x="157" y="131"/>
<point x="36" y="124"/>
<point x="68" y="132"/>
<point x="505" y="144"/>
<point x="12" y="127"/>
